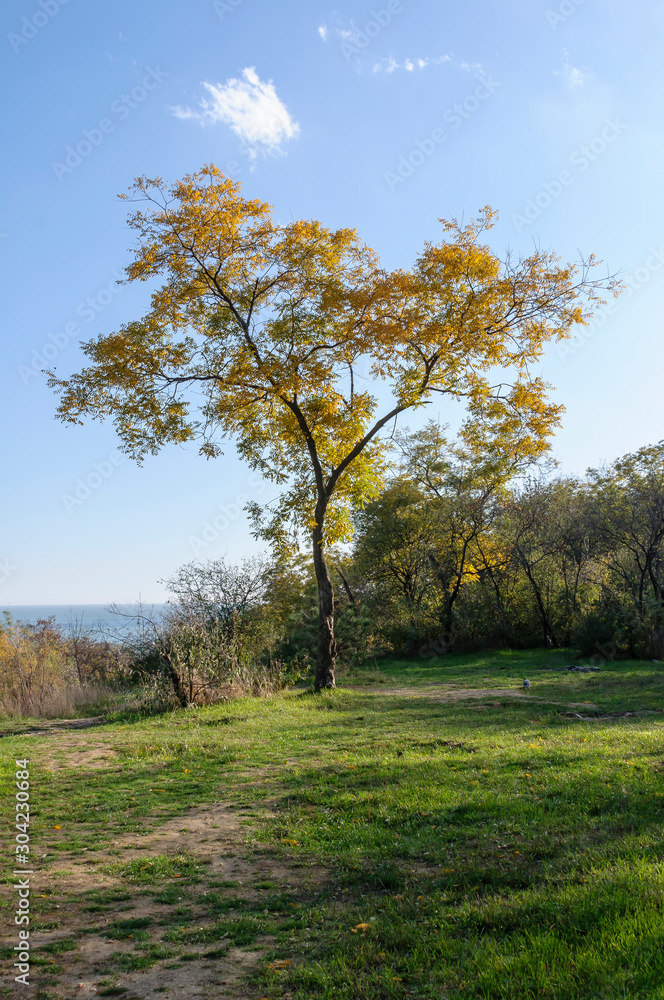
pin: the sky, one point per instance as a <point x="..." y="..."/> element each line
<point x="385" y="118"/>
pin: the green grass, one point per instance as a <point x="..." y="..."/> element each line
<point x="58" y="947"/>
<point x="490" y="848"/>
<point x="133" y="928"/>
<point x="239" y="931"/>
<point x="153" y="869"/>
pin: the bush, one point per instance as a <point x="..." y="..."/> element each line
<point x="41" y="675"/>
<point x="602" y="633"/>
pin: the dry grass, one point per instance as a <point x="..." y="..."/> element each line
<point x="55" y="702"/>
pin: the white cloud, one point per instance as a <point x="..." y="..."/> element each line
<point x="572" y="76"/>
<point x="471" y="67"/>
<point x="252" y="109"/>
<point x="322" y="31"/>
<point x="390" y="64"/>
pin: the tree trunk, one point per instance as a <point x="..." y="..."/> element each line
<point x="327" y="647"/>
<point x="349" y="592"/>
<point x="547" y="628"/>
<point x="174" y="677"/>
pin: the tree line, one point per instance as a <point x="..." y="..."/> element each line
<point x="455" y="553"/>
<point x="450" y="556"/>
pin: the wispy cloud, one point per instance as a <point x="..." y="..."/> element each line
<point x="354" y="40"/>
<point x="572" y="76"/>
<point x="390" y="64"/>
<point x="471" y="67"/>
<point x="252" y="109"/>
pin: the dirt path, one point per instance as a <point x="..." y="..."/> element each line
<point x="78" y="902"/>
<point x="49" y="726"/>
<point x="448" y="693"/>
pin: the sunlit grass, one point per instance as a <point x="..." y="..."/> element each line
<point x="492" y="847"/>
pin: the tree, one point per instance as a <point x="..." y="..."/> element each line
<point x="535" y="545"/>
<point x="629" y="501"/>
<point x="260" y="327"/>
<point x="461" y="482"/>
<point x="220" y="591"/>
<point x="572" y="521"/>
<point x="213" y="634"/>
<point x="394" y="534"/>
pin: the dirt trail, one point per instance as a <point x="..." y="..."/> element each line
<point x="444" y="693"/>
<point x="213" y="834"/>
<point x="49" y="726"/>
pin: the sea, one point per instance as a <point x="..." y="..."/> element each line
<point x="98" y="619"/>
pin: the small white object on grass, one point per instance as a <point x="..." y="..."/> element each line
<point x="526" y="683"/>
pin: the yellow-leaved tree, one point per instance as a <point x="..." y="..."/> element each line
<point x="263" y="331"/>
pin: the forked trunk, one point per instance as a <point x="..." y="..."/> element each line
<point x="327" y="647"/>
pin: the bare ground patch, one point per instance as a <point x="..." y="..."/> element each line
<point x="80" y="901"/>
<point x="448" y="694"/>
<point x="83" y="756"/>
<point x="49" y="726"/>
<point x="213" y="836"/>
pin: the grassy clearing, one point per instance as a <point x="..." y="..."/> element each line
<point x="443" y="838"/>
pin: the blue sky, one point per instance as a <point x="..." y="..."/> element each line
<point x="384" y="117"/>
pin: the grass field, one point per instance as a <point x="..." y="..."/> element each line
<point x="427" y="830"/>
